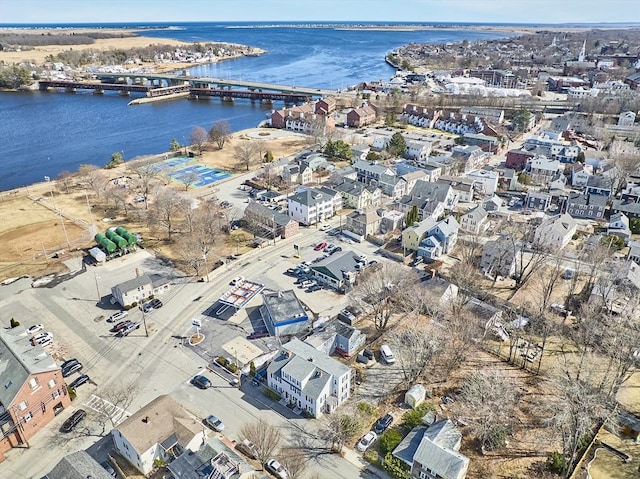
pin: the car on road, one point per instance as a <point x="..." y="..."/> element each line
<point x="127" y="329"/>
<point x="156" y="303"/>
<point x="383" y="424"/>
<point x="258" y="335"/>
<point x="117" y="316"/>
<point x="237" y="280"/>
<point x="325" y="227"/>
<point x="107" y="467"/>
<point x="73" y="420"/>
<point x="34" y="329"/>
<point x="214" y="423"/>
<point x="201" y="382"/>
<point x="277" y="469"/>
<point x="320" y="246"/>
<point x="366" y="441"/>
<point x="71" y="368"/>
<point x="79" y="381"/>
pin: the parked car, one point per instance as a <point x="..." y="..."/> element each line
<point x="34" y="329"/>
<point x="325" y="227"/>
<point x="314" y="287"/>
<point x="277" y="469"/>
<point x="147" y="308"/>
<point x="367" y="353"/>
<point x="201" y="382"/>
<point x="44" y="339"/>
<point x="79" y="381"/>
<point x="320" y="246"/>
<point x="156" y="303"/>
<point x="306" y="283"/>
<point x="366" y="441"/>
<point x="214" y="423"/>
<point x="568" y="274"/>
<point x="70" y="369"/>
<point x="68" y="363"/>
<point x="383" y="424"/>
<point x="346" y="316"/>
<point x="247" y="448"/>
<point x="129" y="328"/>
<point x="117" y="316"/>
<point x="387" y="354"/>
<point x="330" y="247"/>
<point x="258" y="335"/>
<point x="73" y="420"/>
<point x="120" y="326"/>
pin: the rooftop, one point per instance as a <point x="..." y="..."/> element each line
<point x="283" y="306"/>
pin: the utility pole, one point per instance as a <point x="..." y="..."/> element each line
<point x="144" y="322"/>
<point x="95" y="276"/>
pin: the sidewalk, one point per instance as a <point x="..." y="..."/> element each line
<point x="356" y="459"/>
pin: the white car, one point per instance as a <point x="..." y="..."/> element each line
<point x="42" y="339"/>
<point x="34" y="329"/>
<point x="117" y="316"/>
<point x="277" y="469"/>
<point x="366" y="441"/>
<point x="236" y="281"/>
<point x="325" y="227"/>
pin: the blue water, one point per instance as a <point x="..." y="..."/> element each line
<point x="46" y="133"/>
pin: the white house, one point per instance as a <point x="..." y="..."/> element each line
<point x="555" y="232"/>
<point x="475" y="221"/>
<point x="314" y="205"/>
<point x="487" y="179"/>
<point x="542" y="170"/>
<point x="308" y="378"/>
<point x="418" y="150"/>
<point x="619" y="226"/>
<point x="159" y="430"/>
<point x="138" y="289"/>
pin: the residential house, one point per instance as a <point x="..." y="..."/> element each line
<point x="138" y="289"/>
<point x="462" y="188"/>
<point x="542" y="170"/>
<point x="555" y="233"/>
<point x="473" y="157"/>
<point x="430" y="207"/>
<point x="418" y="151"/>
<point x="558" y="182"/>
<point x="283" y="313"/>
<point x="618" y="290"/>
<point x="507" y="179"/>
<point x="217" y="459"/>
<point x="370" y="172"/>
<point x="493" y="115"/>
<point x="380" y="142"/>
<point x="338" y="270"/>
<point x="363" y="116"/>
<point x="33" y="390"/>
<point x="358" y="195"/>
<point x="537" y="200"/>
<point x="78" y="465"/>
<point x="580" y="174"/>
<point x="314" y="161"/>
<point x="308" y="379"/>
<point x="490" y="144"/>
<point x="485" y="182"/>
<point x="439" y="292"/>
<point x="336" y="336"/>
<point x="419" y="115"/>
<point x="475" y="221"/>
<point x="280" y="118"/>
<point x="630" y="208"/>
<point x="586" y="206"/>
<point x="619" y="226"/>
<point x="295" y="174"/>
<point x="392" y="185"/>
<point x="364" y="222"/>
<point x="412" y="236"/>
<point x="440" y="239"/>
<point x="431" y="452"/>
<point x="440" y="191"/>
<point x="346" y="172"/>
<point x="314" y="205"/>
<point x="360" y="152"/>
<point x="391" y="220"/>
<point x="325" y="105"/>
<point x="499" y="257"/>
<point x="271" y="223"/>
<point x="518" y="159"/>
<point x="491" y="205"/>
<point x="634" y="251"/>
<point x="599" y="185"/>
<point x="158" y="431"/>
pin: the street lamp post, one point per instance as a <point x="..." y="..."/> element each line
<point x="95" y="276"/>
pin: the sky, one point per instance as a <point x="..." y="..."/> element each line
<point x="493" y="11"/>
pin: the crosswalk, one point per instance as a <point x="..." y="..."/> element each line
<point x="102" y="406"/>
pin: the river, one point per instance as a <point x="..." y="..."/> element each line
<point x="46" y="133"/>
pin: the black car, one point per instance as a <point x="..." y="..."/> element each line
<point x="258" y="335"/>
<point x="79" y="381"/>
<point x="109" y="468"/>
<point x="70" y="369"/>
<point x="156" y="303"/>
<point x="367" y="353"/>
<point x="314" y="287"/>
<point x="69" y="362"/>
<point x="201" y="382"/>
<point x="120" y="326"/>
<point x="382" y="424"/>
<point x="73" y="421"/>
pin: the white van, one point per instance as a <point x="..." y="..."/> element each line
<point x="386" y="354"/>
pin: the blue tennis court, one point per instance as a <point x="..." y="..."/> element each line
<point x="205" y="174"/>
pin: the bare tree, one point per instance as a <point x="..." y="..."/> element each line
<point x="295" y="461"/>
<point x="219" y="133"/>
<point x="626" y="161"/>
<point x="147" y="172"/>
<point x="245" y="152"/>
<point x="415" y="345"/>
<point x="189" y="179"/>
<point x="265" y="436"/>
<point x="65" y="179"/>
<point x="545" y="282"/>
<point x="95" y="177"/>
<point x="341" y="428"/>
<point x="199" y="138"/>
<point x="489" y="400"/>
<point x="165" y="210"/>
<point x="385" y="292"/>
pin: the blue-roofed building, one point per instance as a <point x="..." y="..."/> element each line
<point x="283" y="313"/>
<point x="309" y="379"/>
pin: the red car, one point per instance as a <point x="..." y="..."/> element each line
<point x="320" y="246"/>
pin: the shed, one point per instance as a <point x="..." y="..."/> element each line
<point x="415" y="395"/>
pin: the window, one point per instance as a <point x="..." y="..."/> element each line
<point x="55" y="395"/>
<point x="33" y="383"/>
<point x="52" y="383"/>
<point x="23" y="405"/>
<point x="27" y="417"/>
